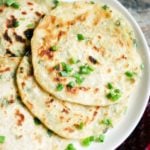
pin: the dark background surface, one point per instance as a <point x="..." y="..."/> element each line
<point x="140" y="137"/>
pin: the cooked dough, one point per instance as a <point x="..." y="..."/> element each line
<point x="83" y="47"/>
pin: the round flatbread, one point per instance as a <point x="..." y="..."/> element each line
<point x="89" y="49"/>
<point x="68" y="120"/>
<point x="17" y="24"/>
<point x="18" y="129"/>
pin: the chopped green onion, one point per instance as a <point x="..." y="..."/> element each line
<point x="37" y="121"/>
<point x="78" y="78"/>
<point x="56" y="3"/>
<point x="80" y="37"/>
<point x="114" y="95"/>
<point x="16" y="24"/>
<point x="100" y="138"/>
<point x="2" y="139"/>
<point x="54" y="48"/>
<point x="59" y="87"/>
<point x="105" y="7"/>
<point x="87" y="141"/>
<point x="31" y="25"/>
<point x="107" y="122"/>
<point x="12" y="3"/>
<point x="80" y="126"/>
<point x="85" y="69"/>
<point x="110" y="86"/>
<point x="15" y="5"/>
<point x="63" y="73"/>
<point x="67" y="68"/>
<point x="92" y="2"/>
<point x="142" y="66"/>
<point x="73" y="61"/>
<point x="70" y="147"/>
<point x="130" y="74"/>
<point x="118" y="23"/>
<point x="71" y="84"/>
<point x="49" y="132"/>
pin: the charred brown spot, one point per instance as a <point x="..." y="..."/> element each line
<point x="47" y="53"/>
<point x="95" y="112"/>
<point x="1" y="10"/>
<point x="69" y="129"/>
<point x="6" y="37"/>
<point x="23" y="84"/>
<point x="84" y="88"/>
<point x="20" y="117"/>
<point x="96" y="90"/>
<point x="21" y="70"/>
<point x="28" y="33"/>
<point x="11" y="22"/>
<point x="29" y="3"/>
<point x="65" y="111"/>
<point x="38" y="14"/>
<point x="5" y="70"/>
<point x="23" y="12"/>
<point x="60" y="34"/>
<point x="73" y="90"/>
<point x="121" y="58"/>
<point x="93" y="60"/>
<point x="53" y="19"/>
<point x="49" y="102"/>
<point x="9" y="53"/>
<point x="60" y="79"/>
<point x="19" y="38"/>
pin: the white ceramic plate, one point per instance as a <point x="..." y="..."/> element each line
<point x="139" y="98"/>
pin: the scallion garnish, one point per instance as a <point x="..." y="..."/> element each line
<point x="79" y="78"/>
<point x="12" y="3"/>
<point x="100" y="138"/>
<point x="107" y="122"/>
<point x="87" y="141"/>
<point x="2" y="139"/>
<point x="130" y="74"/>
<point x="59" y="87"/>
<point x="67" y="68"/>
<point x="70" y="147"/>
<point x="105" y="7"/>
<point x="80" y="37"/>
<point x="16" y="24"/>
<point x="37" y="121"/>
<point x="85" y="69"/>
<point x="80" y="126"/>
<point x="54" y="48"/>
<point x="114" y="95"/>
<point x="71" y="84"/>
<point x="109" y="86"/>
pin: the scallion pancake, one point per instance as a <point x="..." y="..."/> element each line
<point x="69" y="120"/>
<point x="89" y="51"/>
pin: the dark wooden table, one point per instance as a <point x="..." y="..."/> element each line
<point x="140" y="138"/>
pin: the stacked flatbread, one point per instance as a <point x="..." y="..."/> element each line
<point x="67" y="71"/>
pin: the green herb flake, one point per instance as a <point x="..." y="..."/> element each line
<point x="79" y="78"/>
<point x="109" y="86"/>
<point x="80" y="37"/>
<point x="71" y="84"/>
<point x="142" y="66"/>
<point x="118" y="23"/>
<point x="87" y="141"/>
<point x="70" y="147"/>
<point x="85" y="69"/>
<point x="80" y="126"/>
<point x="15" y="5"/>
<point x="16" y="24"/>
<point x="130" y="74"/>
<point x="67" y="68"/>
<point x="37" y="121"/>
<point x="107" y="122"/>
<point x="92" y="2"/>
<point x="54" y="48"/>
<point x="49" y="132"/>
<point x="114" y="95"/>
<point x="56" y="3"/>
<point x="105" y="7"/>
<point x="73" y="61"/>
<point x="59" y="87"/>
<point x="63" y="74"/>
<point x="100" y="138"/>
<point x="2" y="139"/>
<point x="31" y="25"/>
<point x="12" y="3"/>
